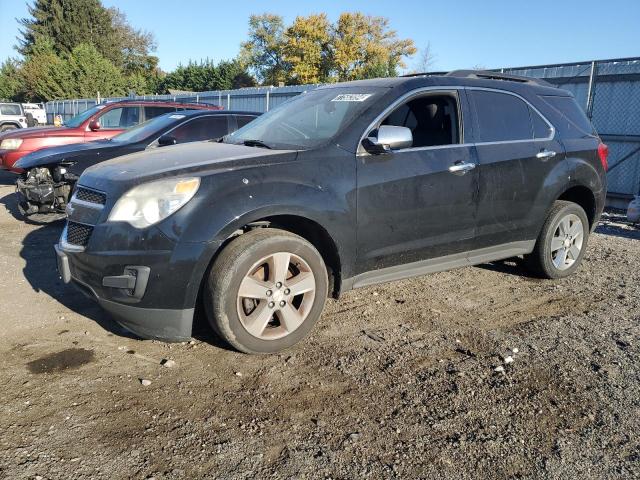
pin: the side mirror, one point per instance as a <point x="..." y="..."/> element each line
<point x="94" y="125"/>
<point x="389" y="138"/>
<point x="165" y="140"/>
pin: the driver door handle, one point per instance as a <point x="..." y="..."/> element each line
<point x="545" y="154"/>
<point x="461" y="168"/>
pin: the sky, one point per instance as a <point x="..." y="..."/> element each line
<point x="461" y="34"/>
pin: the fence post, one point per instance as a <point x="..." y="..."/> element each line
<point x="591" y="91"/>
<point x="228" y="101"/>
<point x="267" y="97"/>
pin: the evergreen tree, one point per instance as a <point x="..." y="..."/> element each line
<point x="68" y="23"/>
<point x="10" y="80"/>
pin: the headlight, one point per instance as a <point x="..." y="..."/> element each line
<point x="10" y="143"/>
<point x="149" y="203"/>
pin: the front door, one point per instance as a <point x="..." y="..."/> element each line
<point x="418" y="203"/>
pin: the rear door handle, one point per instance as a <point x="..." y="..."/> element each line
<point x="461" y="168"/>
<point x="545" y="154"/>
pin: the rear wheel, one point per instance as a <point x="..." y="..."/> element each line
<point x="562" y="242"/>
<point x="266" y="290"/>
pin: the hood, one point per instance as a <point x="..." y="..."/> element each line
<point x="33" y="132"/>
<point x="189" y="158"/>
<point x="54" y="155"/>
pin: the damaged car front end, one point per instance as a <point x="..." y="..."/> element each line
<point x="45" y="189"/>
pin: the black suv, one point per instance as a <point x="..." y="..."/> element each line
<point x="344" y="186"/>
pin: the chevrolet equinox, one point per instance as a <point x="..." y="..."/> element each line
<point x="344" y="186"/>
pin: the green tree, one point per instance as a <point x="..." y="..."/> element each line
<point x="68" y="23"/>
<point x="365" y="47"/>
<point x="205" y="75"/>
<point x="82" y="73"/>
<point x="10" y="80"/>
<point x="264" y="52"/>
<point x="307" y="49"/>
<point x="44" y="74"/>
<point x="136" y="46"/>
<point x="314" y="50"/>
<point x="91" y="73"/>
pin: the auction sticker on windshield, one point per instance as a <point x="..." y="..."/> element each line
<point x="352" y="97"/>
<point x="176" y="116"/>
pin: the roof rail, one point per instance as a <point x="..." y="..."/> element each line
<point x="154" y="100"/>
<point x="424" y="74"/>
<point x="487" y="75"/>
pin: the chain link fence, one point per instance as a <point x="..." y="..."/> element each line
<point x="608" y="90"/>
<point x="259" y="99"/>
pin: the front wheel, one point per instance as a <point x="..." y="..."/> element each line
<point x="266" y="290"/>
<point x="561" y="245"/>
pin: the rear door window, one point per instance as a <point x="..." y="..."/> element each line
<point x="201" y="128"/>
<point x="153" y="112"/>
<point x="541" y="129"/>
<point x="120" y="118"/>
<point x="501" y="117"/>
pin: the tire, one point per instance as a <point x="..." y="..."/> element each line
<point x="558" y="253"/>
<point x="254" y="262"/>
<point x="6" y="128"/>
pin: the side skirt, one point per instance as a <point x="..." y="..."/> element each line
<point x="440" y="264"/>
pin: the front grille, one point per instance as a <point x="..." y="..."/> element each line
<point x="91" y="196"/>
<point x="78" y="233"/>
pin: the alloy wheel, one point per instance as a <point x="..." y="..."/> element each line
<point x="276" y="295"/>
<point x="567" y="240"/>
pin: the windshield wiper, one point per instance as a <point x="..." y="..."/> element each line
<point x="256" y="143"/>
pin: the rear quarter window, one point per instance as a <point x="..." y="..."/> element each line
<point x="574" y="121"/>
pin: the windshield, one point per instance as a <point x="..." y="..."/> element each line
<point x="76" y="121"/>
<point x="308" y="120"/>
<point x="150" y="128"/>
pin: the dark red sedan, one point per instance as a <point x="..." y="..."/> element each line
<point x="102" y="121"/>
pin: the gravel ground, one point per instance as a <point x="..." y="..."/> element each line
<point x="481" y="372"/>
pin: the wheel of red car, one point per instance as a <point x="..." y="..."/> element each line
<point x="266" y="290"/>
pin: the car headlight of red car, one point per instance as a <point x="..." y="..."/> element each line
<point x="10" y="143"/>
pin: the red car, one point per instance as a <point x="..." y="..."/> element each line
<point x="102" y="121"/>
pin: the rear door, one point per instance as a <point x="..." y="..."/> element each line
<point x="410" y="205"/>
<point x="517" y="150"/>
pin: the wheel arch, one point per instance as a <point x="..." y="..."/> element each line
<point x="309" y="229"/>
<point x="583" y="196"/>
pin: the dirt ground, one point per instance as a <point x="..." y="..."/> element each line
<point x="396" y="381"/>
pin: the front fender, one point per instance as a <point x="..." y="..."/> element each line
<point x="34" y="159"/>
<point x="319" y="191"/>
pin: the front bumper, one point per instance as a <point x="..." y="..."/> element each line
<point x="131" y="293"/>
